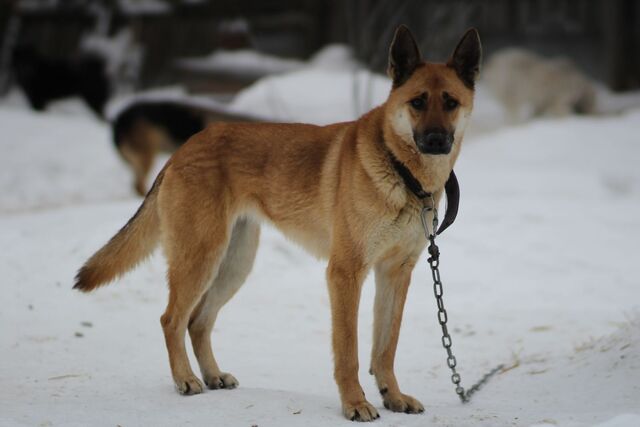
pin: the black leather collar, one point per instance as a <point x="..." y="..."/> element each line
<point x="410" y="181"/>
<point x="451" y="188"/>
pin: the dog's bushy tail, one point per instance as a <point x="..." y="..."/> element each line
<point x="130" y="246"/>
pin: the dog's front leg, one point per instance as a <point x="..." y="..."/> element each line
<point x="393" y="275"/>
<point x="345" y="282"/>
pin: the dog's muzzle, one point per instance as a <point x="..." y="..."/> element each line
<point x="434" y="142"/>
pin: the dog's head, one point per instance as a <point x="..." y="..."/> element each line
<point x="430" y="103"/>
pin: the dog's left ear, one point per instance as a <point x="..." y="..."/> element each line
<point x="467" y="57"/>
<point x="404" y="56"/>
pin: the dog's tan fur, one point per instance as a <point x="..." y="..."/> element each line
<point x="333" y="189"/>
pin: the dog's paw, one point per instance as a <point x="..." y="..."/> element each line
<point x="189" y="385"/>
<point x="360" y="411"/>
<point x="402" y="403"/>
<point x="224" y="380"/>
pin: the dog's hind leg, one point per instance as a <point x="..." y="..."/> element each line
<point x="195" y="241"/>
<point x="393" y="275"/>
<point x="232" y="273"/>
<point x="139" y="154"/>
<point x="138" y="147"/>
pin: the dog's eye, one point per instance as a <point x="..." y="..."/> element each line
<point x="450" y="104"/>
<point x="418" y="103"/>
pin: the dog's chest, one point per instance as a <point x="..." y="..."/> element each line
<point x="402" y="231"/>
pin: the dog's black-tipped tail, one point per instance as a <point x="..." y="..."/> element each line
<point x="130" y="246"/>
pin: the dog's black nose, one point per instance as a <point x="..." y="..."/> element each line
<point x="434" y="142"/>
<point x="437" y="139"/>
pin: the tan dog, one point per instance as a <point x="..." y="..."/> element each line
<point x="347" y="192"/>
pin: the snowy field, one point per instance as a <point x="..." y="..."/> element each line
<point x="541" y="272"/>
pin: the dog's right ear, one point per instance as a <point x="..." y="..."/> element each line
<point x="404" y="56"/>
<point x="467" y="57"/>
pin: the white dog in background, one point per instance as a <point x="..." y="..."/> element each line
<point x="529" y="85"/>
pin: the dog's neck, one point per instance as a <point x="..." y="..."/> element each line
<point x="451" y="188"/>
<point x="396" y="183"/>
<point x="431" y="171"/>
<point x="410" y="181"/>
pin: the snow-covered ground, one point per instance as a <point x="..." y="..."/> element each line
<point x="540" y="271"/>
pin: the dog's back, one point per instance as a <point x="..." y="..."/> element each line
<point x="145" y="128"/>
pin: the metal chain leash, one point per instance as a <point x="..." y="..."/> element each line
<point x="434" y="263"/>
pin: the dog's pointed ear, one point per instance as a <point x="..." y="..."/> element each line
<point x="467" y="57"/>
<point x="404" y="56"/>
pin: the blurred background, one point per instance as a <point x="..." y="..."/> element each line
<point x="144" y="42"/>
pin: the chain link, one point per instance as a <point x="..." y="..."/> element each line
<point x="434" y="264"/>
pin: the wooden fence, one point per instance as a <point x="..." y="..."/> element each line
<point x="602" y="36"/>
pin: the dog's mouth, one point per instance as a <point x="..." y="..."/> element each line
<point x="434" y="142"/>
